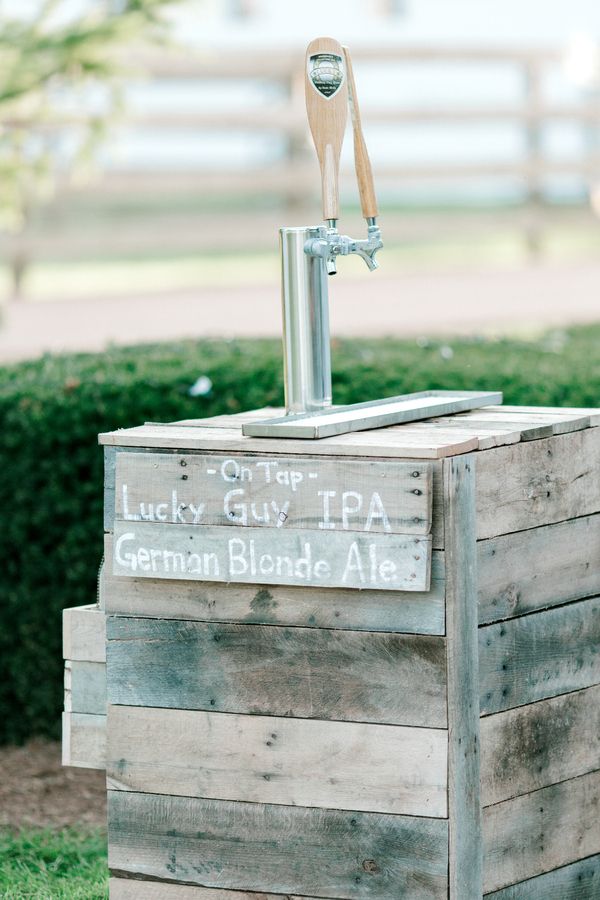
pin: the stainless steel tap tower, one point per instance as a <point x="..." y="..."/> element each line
<point x="309" y="255"/>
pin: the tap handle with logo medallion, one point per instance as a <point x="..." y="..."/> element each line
<point x="327" y="107"/>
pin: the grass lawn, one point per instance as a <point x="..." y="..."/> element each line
<point x="47" y="864"/>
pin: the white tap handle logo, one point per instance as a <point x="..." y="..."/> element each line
<point x="326" y="73"/>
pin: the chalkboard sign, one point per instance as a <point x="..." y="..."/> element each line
<point x="273" y="520"/>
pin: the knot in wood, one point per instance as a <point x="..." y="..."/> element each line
<point x="370" y="866"/>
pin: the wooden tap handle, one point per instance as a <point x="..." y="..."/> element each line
<point x="327" y="107"/>
<point x="362" y="163"/>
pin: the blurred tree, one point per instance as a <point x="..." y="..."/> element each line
<point x="60" y="69"/>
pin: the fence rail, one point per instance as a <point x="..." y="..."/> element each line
<point x="293" y="180"/>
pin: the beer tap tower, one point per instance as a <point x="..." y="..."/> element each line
<point x="309" y="254"/>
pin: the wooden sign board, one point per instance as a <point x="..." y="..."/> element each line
<point x="273" y="520"/>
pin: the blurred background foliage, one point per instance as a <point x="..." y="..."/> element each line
<point x="48" y="64"/>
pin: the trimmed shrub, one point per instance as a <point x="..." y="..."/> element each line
<point x="52" y="409"/>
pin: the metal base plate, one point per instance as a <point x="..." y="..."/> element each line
<point x="377" y="414"/>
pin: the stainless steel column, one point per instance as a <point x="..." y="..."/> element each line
<point x="306" y="350"/>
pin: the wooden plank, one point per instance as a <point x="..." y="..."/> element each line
<point x="110" y="477"/>
<point x="465" y="873"/>
<point x="529" y="570"/>
<point x="84" y="634"/>
<point x="87" y="687"/>
<point x="68" y="706"/>
<point x="578" y="881"/>
<point x="508" y="433"/>
<point x="302" y="672"/>
<point x="528" y="415"/>
<point x="487" y="435"/>
<point x="253" y="556"/>
<point x="491" y="433"/>
<point x="532" y="425"/>
<point x="539" y="655"/>
<point x="376" y="443"/>
<point x="278" y="849"/>
<point x="401" y="611"/>
<point x="565" y="419"/>
<point x="530" y="747"/>
<point x="101" y="583"/>
<point x="134" y="889"/>
<point x="593" y="413"/>
<point x="83" y="740"/>
<point x="541" y="831"/>
<point x="111" y="454"/>
<point x="231" y="420"/>
<point x="275" y="492"/>
<point x="278" y="760"/>
<point x="537" y="483"/>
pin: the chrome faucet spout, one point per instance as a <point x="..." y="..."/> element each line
<point x="330" y="244"/>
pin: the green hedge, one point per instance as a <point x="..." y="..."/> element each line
<point x="51" y="467"/>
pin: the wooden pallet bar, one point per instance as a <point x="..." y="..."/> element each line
<point x="382" y="726"/>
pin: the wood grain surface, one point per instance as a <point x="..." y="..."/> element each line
<point x="86" y="684"/>
<point x="83" y="740"/>
<point x="541" y="831"/>
<point x="541" y="567"/>
<point x="253" y="556"/>
<point x="278" y="849"/>
<point x="464" y="808"/>
<point x="302" y="672"/>
<point x="84" y="633"/>
<point x="531" y="484"/>
<point x="327" y="119"/>
<point x="530" y="747"/>
<point x="578" y="881"/>
<point x="275" y="492"/>
<point x="430" y="471"/>
<point x="134" y="889"/>
<point x="270" y="759"/>
<point x="418" y="612"/>
<point x="362" y="163"/>
<point x="381" y="442"/>
<point x="540" y="655"/>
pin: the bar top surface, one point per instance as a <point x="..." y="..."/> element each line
<point x="479" y="429"/>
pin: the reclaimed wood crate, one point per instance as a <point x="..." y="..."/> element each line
<point x="361" y="667"/>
